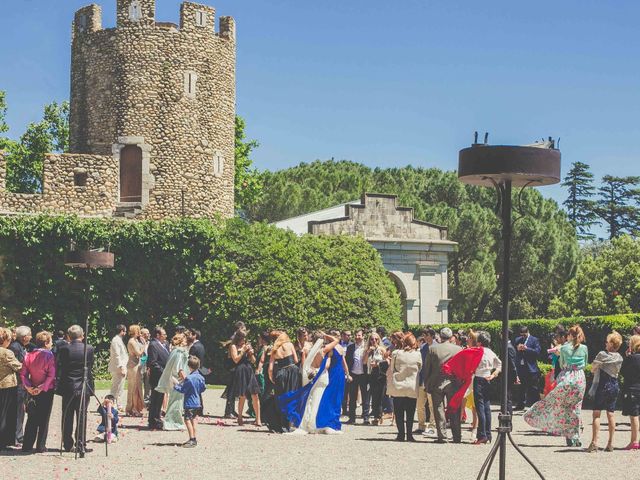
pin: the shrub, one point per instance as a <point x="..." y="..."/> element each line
<point x="193" y="272"/>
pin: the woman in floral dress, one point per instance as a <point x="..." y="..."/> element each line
<point x="559" y="412"/>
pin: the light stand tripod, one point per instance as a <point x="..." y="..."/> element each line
<point x="502" y="167"/>
<point x="86" y="260"/>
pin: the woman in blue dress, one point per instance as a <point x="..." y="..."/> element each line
<point x="316" y="407"/>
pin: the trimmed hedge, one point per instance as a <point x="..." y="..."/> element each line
<point x="198" y="273"/>
<point x="595" y="329"/>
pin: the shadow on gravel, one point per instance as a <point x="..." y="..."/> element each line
<point x="387" y="440"/>
<point x="164" y="444"/>
<point x="251" y="430"/>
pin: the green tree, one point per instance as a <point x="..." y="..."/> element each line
<point x="579" y="205"/>
<point x="248" y="184"/>
<point x="25" y="159"/>
<point x="544" y="241"/>
<point x="618" y="204"/>
<point x="607" y="280"/>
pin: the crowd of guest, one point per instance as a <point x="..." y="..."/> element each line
<point x="438" y="375"/>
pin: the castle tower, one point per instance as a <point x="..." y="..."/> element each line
<point x="160" y="99"/>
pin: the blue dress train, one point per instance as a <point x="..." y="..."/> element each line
<point x="293" y="404"/>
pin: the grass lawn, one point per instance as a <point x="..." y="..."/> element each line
<point x="106" y="385"/>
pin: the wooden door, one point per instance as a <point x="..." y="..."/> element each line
<point x="131" y="174"/>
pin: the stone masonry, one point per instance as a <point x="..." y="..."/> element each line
<point x="164" y="94"/>
<point x="415" y="253"/>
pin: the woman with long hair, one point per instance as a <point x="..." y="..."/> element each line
<point x="9" y="365"/>
<point x="374" y="359"/>
<point x="403" y="383"/>
<point x="135" y="397"/>
<point x="176" y="363"/>
<point x="284" y="375"/>
<point x="489" y="368"/>
<point x="38" y="375"/>
<point x="302" y="344"/>
<point x="559" y="412"/>
<point x="244" y="382"/>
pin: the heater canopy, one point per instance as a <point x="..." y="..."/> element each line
<point x="533" y="166"/>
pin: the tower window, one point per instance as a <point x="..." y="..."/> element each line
<point x="80" y="179"/>
<point x="190" y="80"/>
<point x="82" y="22"/>
<point x="218" y="164"/>
<point x="135" y="12"/>
<point x="201" y="18"/>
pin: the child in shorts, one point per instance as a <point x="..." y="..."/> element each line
<point x="191" y="386"/>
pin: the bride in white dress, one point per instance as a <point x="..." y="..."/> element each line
<point x="310" y="369"/>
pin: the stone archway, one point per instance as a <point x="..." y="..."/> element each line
<point x="402" y="291"/>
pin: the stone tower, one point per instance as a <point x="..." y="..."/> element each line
<point x="157" y="100"/>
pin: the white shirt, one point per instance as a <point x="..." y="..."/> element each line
<point x="490" y="361"/>
<point x="358" y="353"/>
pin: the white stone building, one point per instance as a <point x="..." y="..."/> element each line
<point x="415" y="253"/>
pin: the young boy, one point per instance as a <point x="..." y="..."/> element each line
<point x="108" y="411"/>
<point x="191" y="387"/>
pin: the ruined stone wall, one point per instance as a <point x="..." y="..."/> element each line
<point x="96" y="197"/>
<point x="170" y="87"/>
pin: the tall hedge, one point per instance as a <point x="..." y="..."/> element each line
<point x="192" y="272"/>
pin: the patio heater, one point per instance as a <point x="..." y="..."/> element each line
<point x="86" y="260"/>
<point x="503" y="168"/>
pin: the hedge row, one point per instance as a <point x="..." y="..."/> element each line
<point x="596" y="329"/>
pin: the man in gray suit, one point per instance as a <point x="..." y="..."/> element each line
<point x="439" y="386"/>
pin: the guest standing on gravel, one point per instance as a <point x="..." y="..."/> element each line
<point x="630" y="373"/>
<point x="118" y="359"/>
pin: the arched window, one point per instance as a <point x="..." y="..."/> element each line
<point x="135" y="11"/>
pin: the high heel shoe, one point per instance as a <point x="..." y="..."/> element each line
<point x="633" y="446"/>
<point x="593" y="448"/>
<point x="400" y="438"/>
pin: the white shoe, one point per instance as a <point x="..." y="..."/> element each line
<point x="429" y="432"/>
<point x="331" y="431"/>
<point x="472" y="434"/>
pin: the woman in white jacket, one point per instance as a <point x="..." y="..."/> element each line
<point x="402" y="385"/>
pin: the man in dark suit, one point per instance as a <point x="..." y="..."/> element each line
<point x="441" y="387"/>
<point x="527" y="352"/>
<point x="70" y="375"/>
<point x="512" y="372"/>
<point x="157" y="356"/>
<point x="196" y="349"/>
<point x="359" y="378"/>
<point x="58" y="342"/>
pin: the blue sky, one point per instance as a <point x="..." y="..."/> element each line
<point x="391" y="83"/>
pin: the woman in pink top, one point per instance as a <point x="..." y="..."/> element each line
<point x="39" y="377"/>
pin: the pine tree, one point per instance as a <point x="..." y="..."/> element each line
<point x="618" y="205"/>
<point x="580" y="208"/>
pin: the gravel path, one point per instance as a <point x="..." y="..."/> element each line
<point x="227" y="451"/>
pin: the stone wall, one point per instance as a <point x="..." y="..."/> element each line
<point x="137" y="80"/>
<point x="167" y="89"/>
<point x="96" y="197"/>
<point x="415" y="253"/>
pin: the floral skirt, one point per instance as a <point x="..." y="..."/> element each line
<point x="559" y="412"/>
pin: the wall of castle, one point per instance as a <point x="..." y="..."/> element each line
<point x="170" y="87"/>
<point x="97" y="197"/>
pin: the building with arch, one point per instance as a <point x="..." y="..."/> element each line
<point x="415" y="253"/>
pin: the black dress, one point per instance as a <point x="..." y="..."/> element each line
<point x="8" y="416"/>
<point x="243" y="382"/>
<point x="286" y="376"/>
